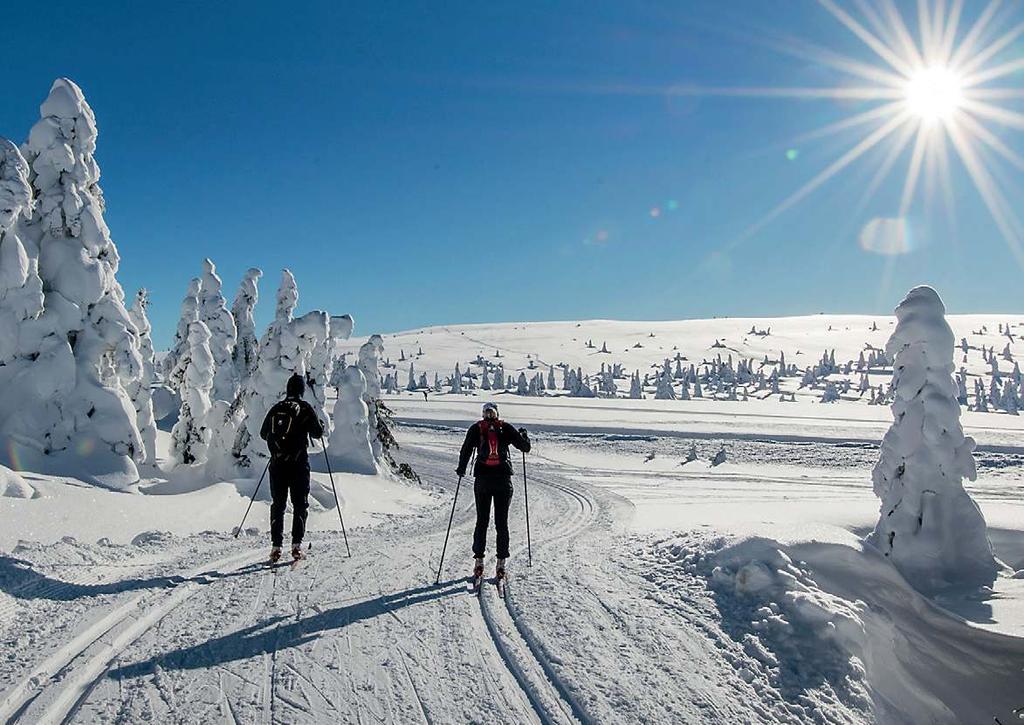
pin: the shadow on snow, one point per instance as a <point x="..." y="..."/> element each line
<point x="283" y="632"/>
<point x="18" y="579"/>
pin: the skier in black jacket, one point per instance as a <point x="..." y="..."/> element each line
<point x="288" y="429"/>
<point x="490" y="438"/>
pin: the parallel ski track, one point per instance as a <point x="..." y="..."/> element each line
<point x="72" y="684"/>
<point x="551" y="699"/>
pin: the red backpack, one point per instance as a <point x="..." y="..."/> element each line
<point x="490" y="442"/>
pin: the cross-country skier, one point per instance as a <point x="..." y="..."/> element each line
<point x="287" y="429"/>
<point x="490" y="438"/>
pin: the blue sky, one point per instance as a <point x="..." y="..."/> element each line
<point x="424" y="163"/>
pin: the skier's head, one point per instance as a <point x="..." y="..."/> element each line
<point x="296" y="386"/>
<point x="490" y="411"/>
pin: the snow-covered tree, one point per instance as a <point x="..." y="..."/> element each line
<point x="457" y="380"/>
<point x="929" y="526"/>
<point x="411" y="385"/>
<point x="1008" y="399"/>
<point x="139" y="390"/>
<point x="664" y="390"/>
<point x="551" y="377"/>
<point x="190" y="435"/>
<point x="267" y="383"/>
<point x="338" y="370"/>
<point x="22" y="333"/>
<point x="21" y="289"/>
<point x="310" y="355"/>
<point x="369" y="364"/>
<point x="349" y="447"/>
<point x="246" y="352"/>
<point x="213" y="312"/>
<point x="521" y="386"/>
<point x="88" y="348"/>
<point x="635" y="391"/>
<point x="180" y="346"/>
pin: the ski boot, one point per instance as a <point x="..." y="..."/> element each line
<point x="499" y="577"/>
<point x="275" y="554"/>
<point x="297" y="552"/>
<point x="478" y="576"/>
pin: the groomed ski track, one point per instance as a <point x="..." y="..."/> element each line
<point x="371" y="639"/>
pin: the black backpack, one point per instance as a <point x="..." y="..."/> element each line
<point x="287" y="437"/>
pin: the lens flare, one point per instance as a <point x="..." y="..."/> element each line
<point x="887" y="236"/>
<point x="14" y="456"/>
<point x="85" y="447"/>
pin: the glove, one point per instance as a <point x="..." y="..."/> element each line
<point x="460" y="472"/>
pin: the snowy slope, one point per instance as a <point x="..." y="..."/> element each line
<point x="802" y="339"/>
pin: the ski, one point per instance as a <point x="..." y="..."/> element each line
<point x="500" y="583"/>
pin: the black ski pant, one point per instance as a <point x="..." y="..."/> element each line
<point x="288" y="478"/>
<point x="486" y="489"/>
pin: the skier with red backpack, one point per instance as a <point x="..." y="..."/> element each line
<point x="288" y="429"/>
<point x="490" y="438"/>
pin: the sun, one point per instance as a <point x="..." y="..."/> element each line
<point x="934" y="94"/>
<point x="953" y="92"/>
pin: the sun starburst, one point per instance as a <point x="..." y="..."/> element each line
<point x="934" y="92"/>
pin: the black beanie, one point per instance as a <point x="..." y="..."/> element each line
<point x="296" y="386"/>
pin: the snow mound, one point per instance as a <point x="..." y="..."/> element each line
<point x="834" y="628"/>
<point x="153" y="539"/>
<point x="166" y="402"/>
<point x="13" y="485"/>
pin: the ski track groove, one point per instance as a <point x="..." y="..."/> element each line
<point x="78" y="681"/>
<point x="412" y="685"/>
<point x="553" y="703"/>
<point x="531" y="690"/>
<point x="581" y="519"/>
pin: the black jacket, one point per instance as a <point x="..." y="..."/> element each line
<point x="307" y="426"/>
<point x="507" y="434"/>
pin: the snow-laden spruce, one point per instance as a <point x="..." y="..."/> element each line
<point x="213" y="312"/>
<point x="369" y="364"/>
<point x="140" y="389"/>
<point x="180" y="346"/>
<point x="22" y="334"/>
<point x="246" y="352"/>
<point x="21" y="289"/>
<point x="267" y="383"/>
<point x="73" y="404"/>
<point x="350" y="448"/>
<point x="291" y="345"/>
<point x="190" y="435"/>
<point x="929" y="526"/>
<point x="305" y="349"/>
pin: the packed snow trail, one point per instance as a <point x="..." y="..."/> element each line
<point x="579" y="637"/>
<point x="602" y="628"/>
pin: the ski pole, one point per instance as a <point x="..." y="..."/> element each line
<point x="239" y="529"/>
<point x="336" y="503"/>
<point x="448" y="532"/>
<point x="526" y="494"/>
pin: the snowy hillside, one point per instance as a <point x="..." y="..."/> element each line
<point x="837" y="348"/>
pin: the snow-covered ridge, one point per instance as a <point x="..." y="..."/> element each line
<point x="824" y="358"/>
